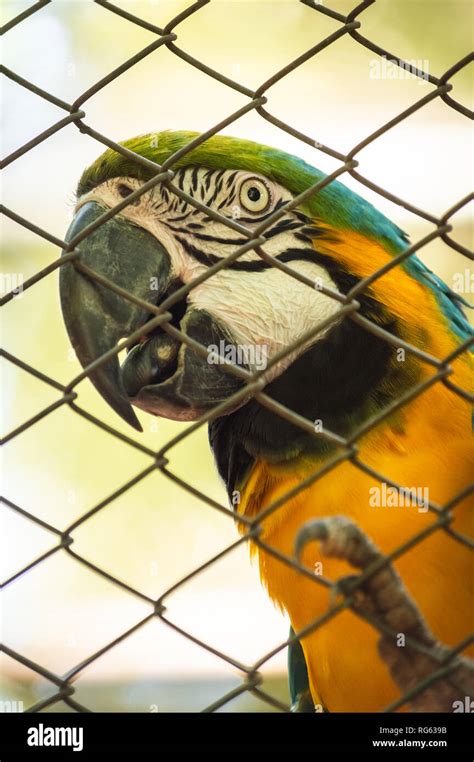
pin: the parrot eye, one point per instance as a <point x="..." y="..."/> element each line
<point x="255" y="195"/>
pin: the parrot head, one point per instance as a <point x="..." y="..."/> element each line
<point x="248" y="310"/>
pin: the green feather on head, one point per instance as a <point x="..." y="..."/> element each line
<point x="335" y="204"/>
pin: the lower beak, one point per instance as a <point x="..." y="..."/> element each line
<point x="96" y="317"/>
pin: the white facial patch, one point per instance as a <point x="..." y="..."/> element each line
<point x="268" y="308"/>
<point x="261" y="307"/>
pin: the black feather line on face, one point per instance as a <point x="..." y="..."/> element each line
<point x="231" y="179"/>
<point x="215" y="239"/>
<point x="343" y="280"/>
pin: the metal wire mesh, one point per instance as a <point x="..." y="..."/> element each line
<point x="347" y="448"/>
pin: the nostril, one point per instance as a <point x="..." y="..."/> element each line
<point x="124" y="190"/>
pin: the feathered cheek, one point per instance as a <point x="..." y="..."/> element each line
<point x="267" y="312"/>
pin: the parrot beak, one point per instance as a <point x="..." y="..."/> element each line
<point x="160" y="374"/>
<point x="97" y="318"/>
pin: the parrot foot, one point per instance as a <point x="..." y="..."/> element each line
<point x="433" y="679"/>
<point x="344" y="587"/>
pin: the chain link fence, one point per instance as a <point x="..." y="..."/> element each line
<point x="62" y="689"/>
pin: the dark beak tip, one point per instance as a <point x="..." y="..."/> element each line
<point x="136" y="423"/>
<point x="120" y="404"/>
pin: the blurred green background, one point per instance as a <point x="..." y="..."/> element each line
<point x="60" y="612"/>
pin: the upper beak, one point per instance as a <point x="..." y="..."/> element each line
<point x="96" y="317"/>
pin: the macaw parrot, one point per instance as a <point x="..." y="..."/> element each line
<point x="340" y="378"/>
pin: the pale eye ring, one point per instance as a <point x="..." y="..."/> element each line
<point x="255" y="195"/>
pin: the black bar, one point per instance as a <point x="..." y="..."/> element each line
<point x="443" y="735"/>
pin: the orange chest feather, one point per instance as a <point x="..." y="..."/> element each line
<point x="434" y="454"/>
<point x="427" y="446"/>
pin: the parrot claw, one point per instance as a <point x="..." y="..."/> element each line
<point x="432" y="678"/>
<point x="339" y="537"/>
<point x="312" y="530"/>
